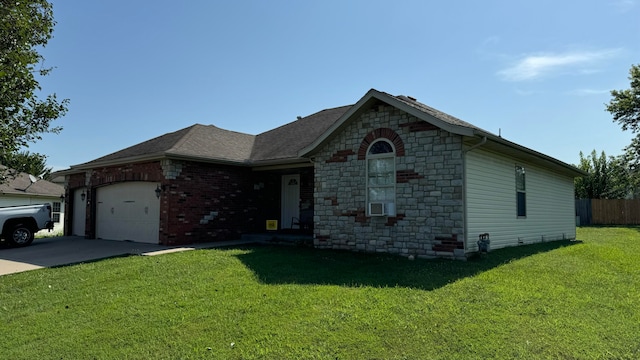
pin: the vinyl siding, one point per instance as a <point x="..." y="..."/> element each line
<point x="8" y="200"/>
<point x="490" y="204"/>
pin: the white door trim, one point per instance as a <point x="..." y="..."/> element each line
<point x="290" y="200"/>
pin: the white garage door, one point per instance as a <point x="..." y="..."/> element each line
<point x="128" y="211"/>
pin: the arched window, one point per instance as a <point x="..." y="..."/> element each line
<point x="381" y="178"/>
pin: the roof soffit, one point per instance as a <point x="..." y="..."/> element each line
<point x="498" y="145"/>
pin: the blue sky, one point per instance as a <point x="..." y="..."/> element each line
<point x="539" y="71"/>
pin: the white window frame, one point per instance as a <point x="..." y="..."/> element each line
<point x="54" y="213"/>
<point x="389" y="207"/>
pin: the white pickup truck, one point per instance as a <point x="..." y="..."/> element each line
<point x="20" y="223"/>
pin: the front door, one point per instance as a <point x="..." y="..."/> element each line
<point x="290" y="200"/>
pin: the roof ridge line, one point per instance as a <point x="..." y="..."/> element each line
<point x="183" y="138"/>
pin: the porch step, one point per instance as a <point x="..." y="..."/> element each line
<point x="280" y="239"/>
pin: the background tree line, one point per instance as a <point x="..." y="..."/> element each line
<point x="616" y="177"/>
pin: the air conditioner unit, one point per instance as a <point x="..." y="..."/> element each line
<point x="376" y="209"/>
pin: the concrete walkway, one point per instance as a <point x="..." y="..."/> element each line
<point x="65" y="250"/>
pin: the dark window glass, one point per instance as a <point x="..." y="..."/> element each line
<point x="380" y="147"/>
<point x="521" y="195"/>
<point x="522" y="203"/>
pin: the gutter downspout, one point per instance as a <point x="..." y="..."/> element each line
<point x="482" y="142"/>
<point x="464" y="177"/>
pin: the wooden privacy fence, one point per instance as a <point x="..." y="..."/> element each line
<point x="608" y="212"/>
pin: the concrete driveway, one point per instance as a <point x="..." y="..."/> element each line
<point x="65" y="250"/>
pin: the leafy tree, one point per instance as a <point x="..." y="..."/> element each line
<point x="624" y="180"/>
<point x="25" y="26"/>
<point x="30" y="163"/>
<point x="625" y="108"/>
<point x="625" y="104"/>
<point x="609" y="177"/>
<point x="591" y="186"/>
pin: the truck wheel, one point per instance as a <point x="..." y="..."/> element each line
<point x="21" y="235"/>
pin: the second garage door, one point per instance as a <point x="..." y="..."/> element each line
<point x="128" y="211"/>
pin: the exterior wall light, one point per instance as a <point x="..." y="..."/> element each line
<point x="83" y="196"/>
<point x="158" y="191"/>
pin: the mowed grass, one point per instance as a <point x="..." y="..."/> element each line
<point x="567" y="300"/>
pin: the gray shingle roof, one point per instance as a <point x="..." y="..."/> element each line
<point x="199" y="141"/>
<point x="290" y="142"/>
<point x="285" y="141"/>
<point x="436" y="113"/>
<point x="208" y="142"/>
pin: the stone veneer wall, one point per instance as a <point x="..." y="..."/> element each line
<point x="429" y="188"/>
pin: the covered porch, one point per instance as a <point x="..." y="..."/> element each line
<point x="283" y="200"/>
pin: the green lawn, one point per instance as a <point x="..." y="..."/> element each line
<point x="568" y="300"/>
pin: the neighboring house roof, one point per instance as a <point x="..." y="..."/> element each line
<point x="300" y="139"/>
<point x="21" y="184"/>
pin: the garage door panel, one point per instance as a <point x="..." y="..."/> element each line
<point x="128" y="211"/>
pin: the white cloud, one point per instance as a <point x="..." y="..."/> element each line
<point x="624" y="5"/>
<point x="536" y="66"/>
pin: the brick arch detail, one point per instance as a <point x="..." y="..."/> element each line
<point x="384" y="133"/>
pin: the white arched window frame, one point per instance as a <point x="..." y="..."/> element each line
<point x="381" y="178"/>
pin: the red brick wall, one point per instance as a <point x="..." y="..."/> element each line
<point x="74" y="182"/>
<point x="205" y="202"/>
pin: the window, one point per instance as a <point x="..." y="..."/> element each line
<point x="521" y="194"/>
<point x="381" y="179"/>
<point x="55" y="212"/>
